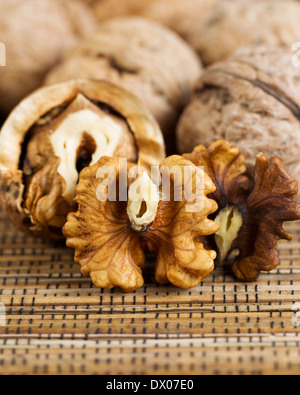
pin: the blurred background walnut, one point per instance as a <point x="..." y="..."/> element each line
<point x="232" y="24"/>
<point x="179" y="15"/>
<point x="143" y="57"/>
<point x="251" y="100"/>
<point x="36" y="34"/>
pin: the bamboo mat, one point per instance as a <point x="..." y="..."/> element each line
<point x="58" y="323"/>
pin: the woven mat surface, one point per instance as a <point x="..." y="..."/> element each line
<point x="58" y="323"/>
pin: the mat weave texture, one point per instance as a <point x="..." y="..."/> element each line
<point x="57" y="322"/>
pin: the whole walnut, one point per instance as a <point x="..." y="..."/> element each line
<point x="143" y="57"/>
<point x="253" y="101"/>
<point x="36" y="34"/>
<point x="107" y="9"/>
<point x="232" y="24"/>
<point x="179" y="15"/>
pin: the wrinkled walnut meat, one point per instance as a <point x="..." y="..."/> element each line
<point x="110" y="236"/>
<point x="56" y="132"/>
<point x="250" y="217"/>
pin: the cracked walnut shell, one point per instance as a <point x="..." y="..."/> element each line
<point x="250" y="216"/>
<point x="56" y="132"/>
<point x="253" y="101"/>
<point x="36" y="34"/>
<point x="143" y="57"/>
<point x="232" y="24"/>
<point x="110" y="234"/>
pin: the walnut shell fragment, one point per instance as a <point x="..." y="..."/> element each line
<point x="110" y="232"/>
<point x="56" y="132"/>
<point x="250" y="216"/>
<point x="36" y="34"/>
<point x="253" y="101"/>
<point x="143" y="57"/>
<point x="232" y="24"/>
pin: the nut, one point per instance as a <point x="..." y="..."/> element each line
<point x="142" y="210"/>
<point x="36" y="35"/>
<point x="230" y="221"/>
<point x="177" y="235"/>
<point x="250" y="216"/>
<point x="252" y="101"/>
<point x="110" y="235"/>
<point x="107" y="9"/>
<point x="143" y="57"/>
<point x="56" y="132"/>
<point x="178" y="15"/>
<point x="233" y="24"/>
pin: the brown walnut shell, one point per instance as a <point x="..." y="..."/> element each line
<point x="36" y="35"/>
<point x="32" y="191"/>
<point x="178" y="15"/>
<point x="253" y="101"/>
<point x="232" y="24"/>
<point x="143" y="57"/>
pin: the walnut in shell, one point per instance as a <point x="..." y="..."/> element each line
<point x="57" y="131"/>
<point x="232" y="24"/>
<point x="179" y="15"/>
<point x="110" y="234"/>
<point x="250" y="216"/>
<point x="107" y="9"/>
<point x="36" y="34"/>
<point x="143" y="57"/>
<point x="253" y="101"/>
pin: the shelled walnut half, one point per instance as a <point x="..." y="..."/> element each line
<point x="250" y="215"/>
<point x="111" y="232"/>
<point x="56" y="132"/>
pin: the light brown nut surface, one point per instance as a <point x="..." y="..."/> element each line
<point x="232" y="24"/>
<point x="179" y="15"/>
<point x="110" y="234"/>
<point x="105" y="246"/>
<point x="250" y="216"/>
<point x="143" y="57"/>
<point x="57" y="131"/>
<point x="36" y="35"/>
<point x="177" y="234"/>
<point x="252" y="100"/>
